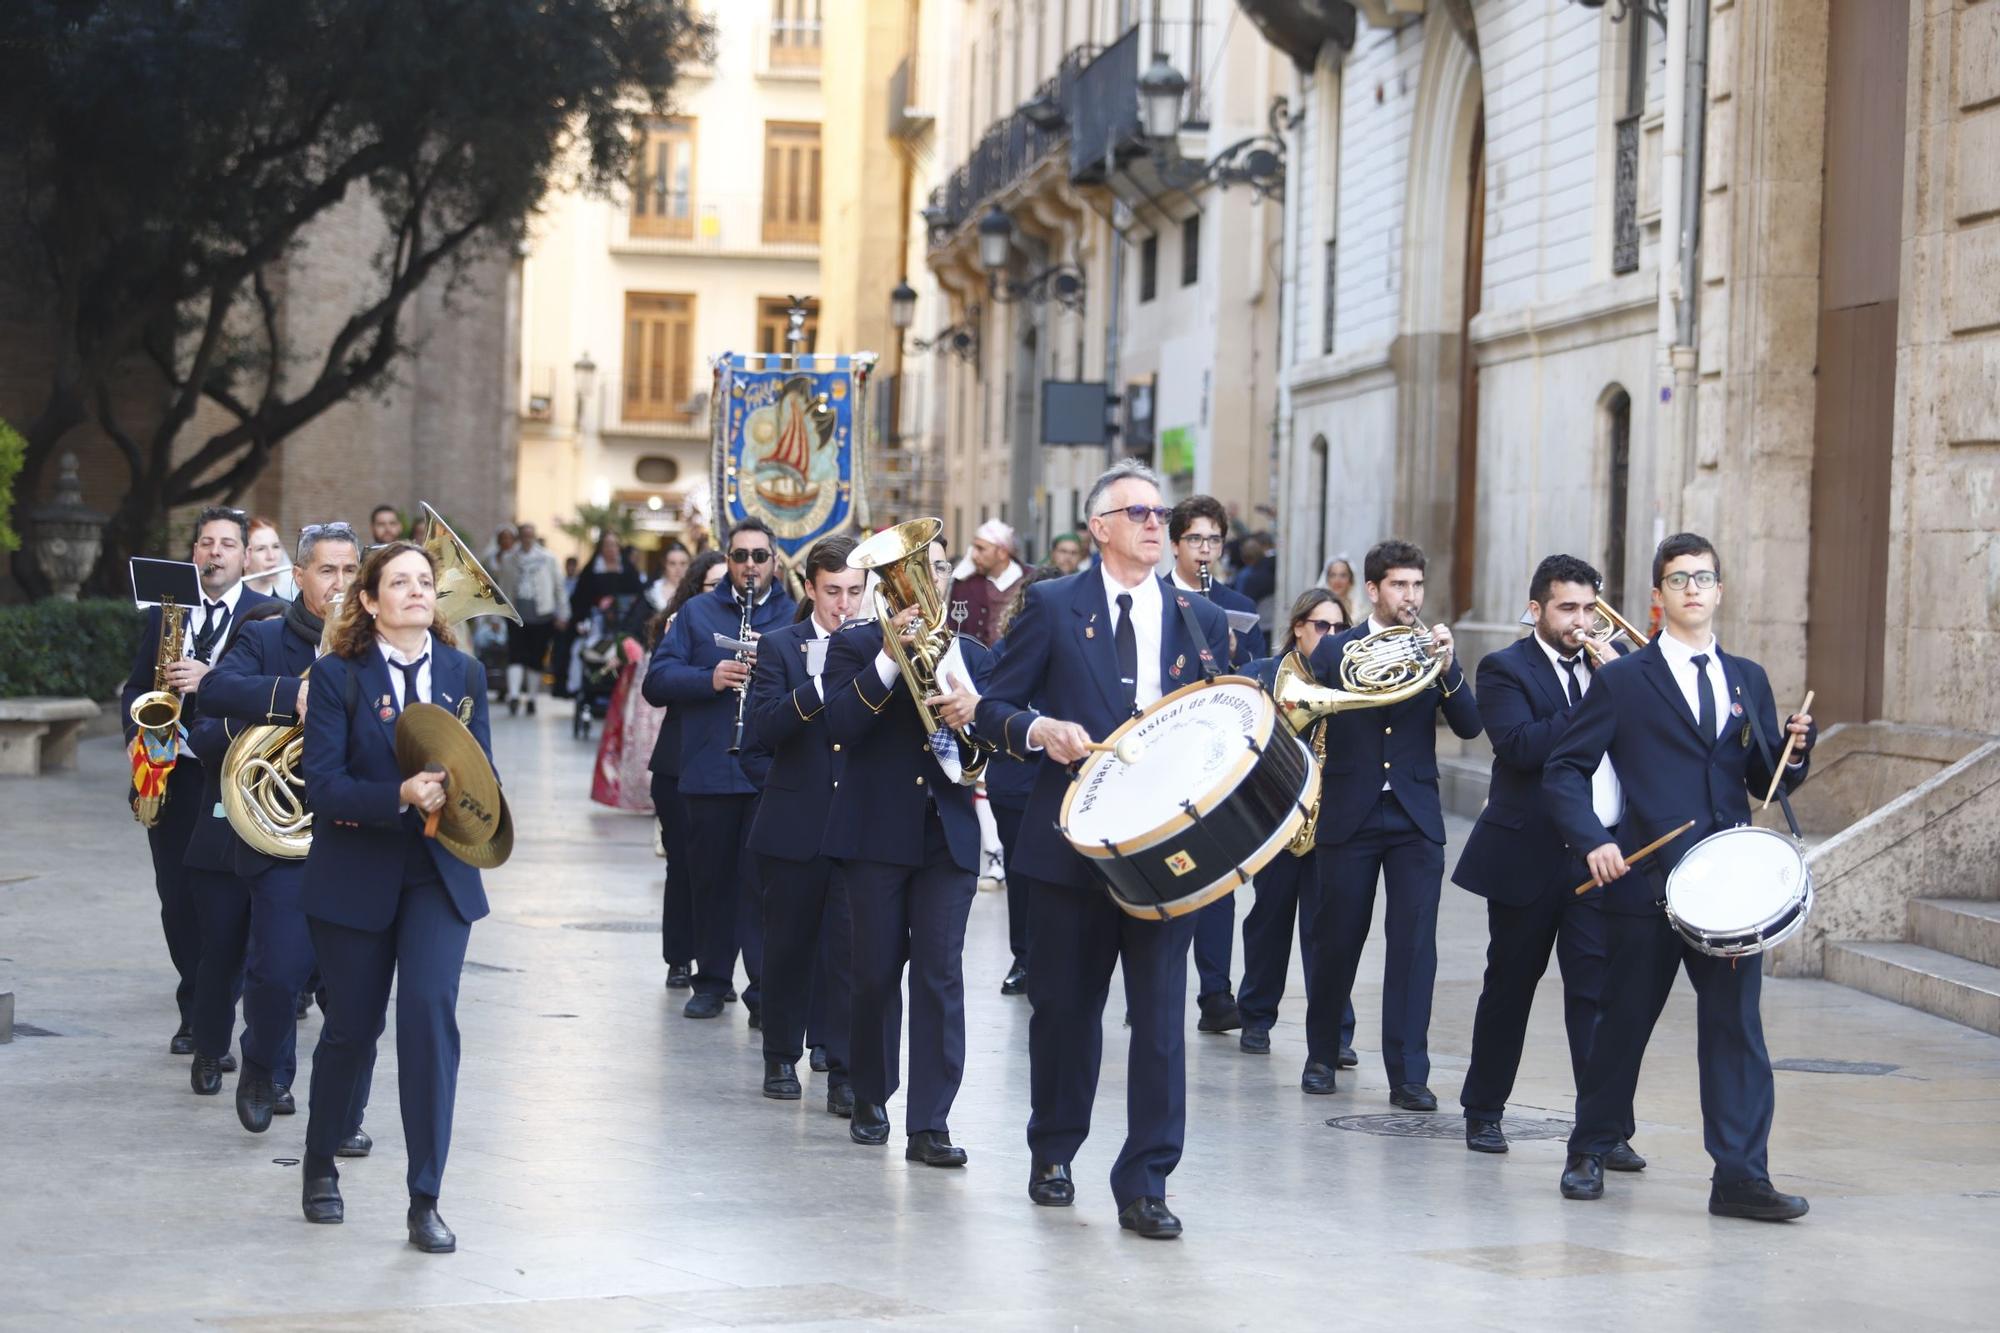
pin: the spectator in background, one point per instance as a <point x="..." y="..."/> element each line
<point x="267" y="565"/>
<point x="1257" y="579"/>
<point x="535" y="583"/>
<point x="985" y="578"/>
<point x="385" y="524"/>
<point x="1340" y="582"/>
<point x="1066" y="553"/>
<point x="497" y="550"/>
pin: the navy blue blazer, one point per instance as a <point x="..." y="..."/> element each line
<point x="256" y="682"/>
<point x="1250" y="643"/>
<point x="147" y="654"/>
<point x="1671" y="773"/>
<point x="1515" y="855"/>
<point x="354" y="872"/>
<point x="892" y="778"/>
<point x="1009" y="780"/>
<point x="681" y="678"/>
<point x="1060" y="660"/>
<point x="794" y="758"/>
<point x="1397" y="744"/>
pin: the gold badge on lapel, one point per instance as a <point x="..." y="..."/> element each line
<point x="1743" y="737"/>
<point x="465" y="710"/>
<point x="1180" y="663"/>
<point x="1089" y="631"/>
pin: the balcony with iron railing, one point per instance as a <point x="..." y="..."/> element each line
<point x="709" y="223"/>
<point x="789" y="49"/>
<point x="1014" y="146"/>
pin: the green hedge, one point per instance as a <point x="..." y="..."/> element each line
<point x="68" y="649"/>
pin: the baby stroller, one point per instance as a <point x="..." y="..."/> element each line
<point x="598" y="663"/>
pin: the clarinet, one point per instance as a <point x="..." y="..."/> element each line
<point x="1207" y="582"/>
<point x="742" y="655"/>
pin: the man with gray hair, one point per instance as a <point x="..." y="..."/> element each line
<point x="1087" y="652"/>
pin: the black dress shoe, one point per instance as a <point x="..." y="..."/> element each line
<point x="1485" y="1136"/>
<point x="427" y="1230"/>
<point x="1218" y="1013"/>
<point x="702" y="1006"/>
<point x="357" y="1144"/>
<point x="1347" y="1059"/>
<point x="514" y="707"/>
<point x="1622" y="1158"/>
<point x="205" y="1076"/>
<point x="678" y="977"/>
<point x="300" y="1006"/>
<point x="781" y="1081"/>
<point x="228" y="1063"/>
<point x="1317" y="1079"/>
<point x="1413" y="1097"/>
<point x="817" y="1059"/>
<point x="1016" y="980"/>
<point x="322" y="1200"/>
<point x="729" y="996"/>
<point x="840" y="1100"/>
<point x="1049" y="1185"/>
<point x="256" y="1101"/>
<point x="1149" y="1217"/>
<point x="933" y="1147"/>
<point x="281" y="1100"/>
<point x="1757" y="1200"/>
<point x="870" y="1124"/>
<point x="1583" y="1176"/>
<point x="1255" y="1041"/>
<point x="757" y="1020"/>
<point x="183" y="1042"/>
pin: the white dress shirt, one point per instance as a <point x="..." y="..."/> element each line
<point x="198" y="617"/>
<point x="1680" y="661"/>
<point x="396" y="660"/>
<point x="1147" y="608"/>
<point x="1607" y="795"/>
<point x="816" y="661"/>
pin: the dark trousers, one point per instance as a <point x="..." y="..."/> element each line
<point x="677" y="894"/>
<point x="423" y="951"/>
<point x="1519" y="941"/>
<point x="172" y="880"/>
<point x="1737" y="1096"/>
<point x="1286" y="888"/>
<point x="222" y="908"/>
<point x="280" y="964"/>
<point x="1079" y="936"/>
<point x="727" y="906"/>
<point x="1007" y="820"/>
<point x="915" y="914"/>
<point x="806" y="924"/>
<point x="1390" y="847"/>
<point x="1214" y="945"/>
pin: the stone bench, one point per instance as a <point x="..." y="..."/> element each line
<point x="40" y="735"/>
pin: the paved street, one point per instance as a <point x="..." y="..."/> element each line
<point x="615" y="1168"/>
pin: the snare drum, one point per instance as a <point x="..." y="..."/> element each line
<point x="1212" y="788"/>
<point x="1739" y="892"/>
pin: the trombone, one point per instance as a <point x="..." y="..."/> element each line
<point x="1606" y="625"/>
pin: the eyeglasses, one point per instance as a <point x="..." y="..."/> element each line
<point x="1701" y="578"/>
<point x="1140" y="513"/>
<point x="750" y="555"/>
<point x="941" y="567"/>
<point x="1202" y="541"/>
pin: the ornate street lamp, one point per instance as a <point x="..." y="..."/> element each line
<point x="1258" y="161"/>
<point x="902" y="306"/>
<point x="1064" y="282"/>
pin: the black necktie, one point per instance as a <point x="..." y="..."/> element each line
<point x="1574" y="690"/>
<point x="1126" y="640"/>
<point x="410" y="670"/>
<point x="1705" y="690"/>
<point x="211" y="628"/>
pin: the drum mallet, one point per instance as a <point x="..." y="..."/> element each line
<point x="1785" y="756"/>
<point x="1127" y="748"/>
<point x="1645" y="851"/>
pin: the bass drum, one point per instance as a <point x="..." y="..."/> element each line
<point x="1210" y="789"/>
<point x="1740" y="892"/>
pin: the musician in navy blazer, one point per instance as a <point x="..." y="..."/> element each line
<point x="677" y="947"/>
<point x="1692" y="732"/>
<point x="1516" y="860"/>
<point x="382" y="900"/>
<point x="696" y="678"/>
<point x="799" y="766"/>
<point x="903" y="827"/>
<point x="221" y="535"/>
<point x="1059" y="687"/>
<point x="1379" y="817"/>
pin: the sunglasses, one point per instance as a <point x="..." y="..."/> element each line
<point x="335" y="529"/>
<point x="747" y="556"/>
<point x="1325" y="626"/>
<point x="1140" y="513"/>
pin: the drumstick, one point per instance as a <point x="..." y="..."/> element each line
<point x="1645" y="851"/>
<point x="1127" y="749"/>
<point x="1785" y="756"/>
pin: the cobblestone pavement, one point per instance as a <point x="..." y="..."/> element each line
<point x="615" y="1168"/>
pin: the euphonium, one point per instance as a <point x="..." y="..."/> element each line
<point x="157" y="712"/>
<point x="900" y="558"/>
<point x="263" y="788"/>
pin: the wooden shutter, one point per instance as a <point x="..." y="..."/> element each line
<point x="791" y="183"/>
<point x="663" y="181"/>
<point x="659" y="356"/>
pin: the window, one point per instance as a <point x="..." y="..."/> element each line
<point x="1618" y="426"/>
<point x="773" y="320"/>
<point x="659" y="357"/>
<point x="791" y="182"/>
<point x="1149" y="268"/>
<point x="795" y="34"/>
<point x="1332" y="288"/>
<point x="1625" y="178"/>
<point x="1191" y="251"/>
<point x="663" y="181"/>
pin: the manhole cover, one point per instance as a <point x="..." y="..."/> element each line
<point x="1834" y="1067"/>
<point x="621" y="927"/>
<point x="1444" y="1127"/>
<point x="471" y="966"/>
<point x="30" y="1030"/>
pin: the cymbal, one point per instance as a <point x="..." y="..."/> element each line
<point x="429" y="737"/>
<point x="485" y="855"/>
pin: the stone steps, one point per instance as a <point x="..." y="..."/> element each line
<point x="1936" y="982"/>
<point x="1966" y="927"/>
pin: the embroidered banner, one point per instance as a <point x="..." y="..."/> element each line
<point x="789" y="444"/>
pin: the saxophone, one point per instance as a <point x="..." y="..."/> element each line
<point x="157" y="715"/>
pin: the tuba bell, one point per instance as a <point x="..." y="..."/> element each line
<point x="263" y="785"/>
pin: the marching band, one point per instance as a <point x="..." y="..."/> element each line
<point x="316" y="780"/>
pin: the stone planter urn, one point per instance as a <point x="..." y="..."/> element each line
<point x="66" y="535"/>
